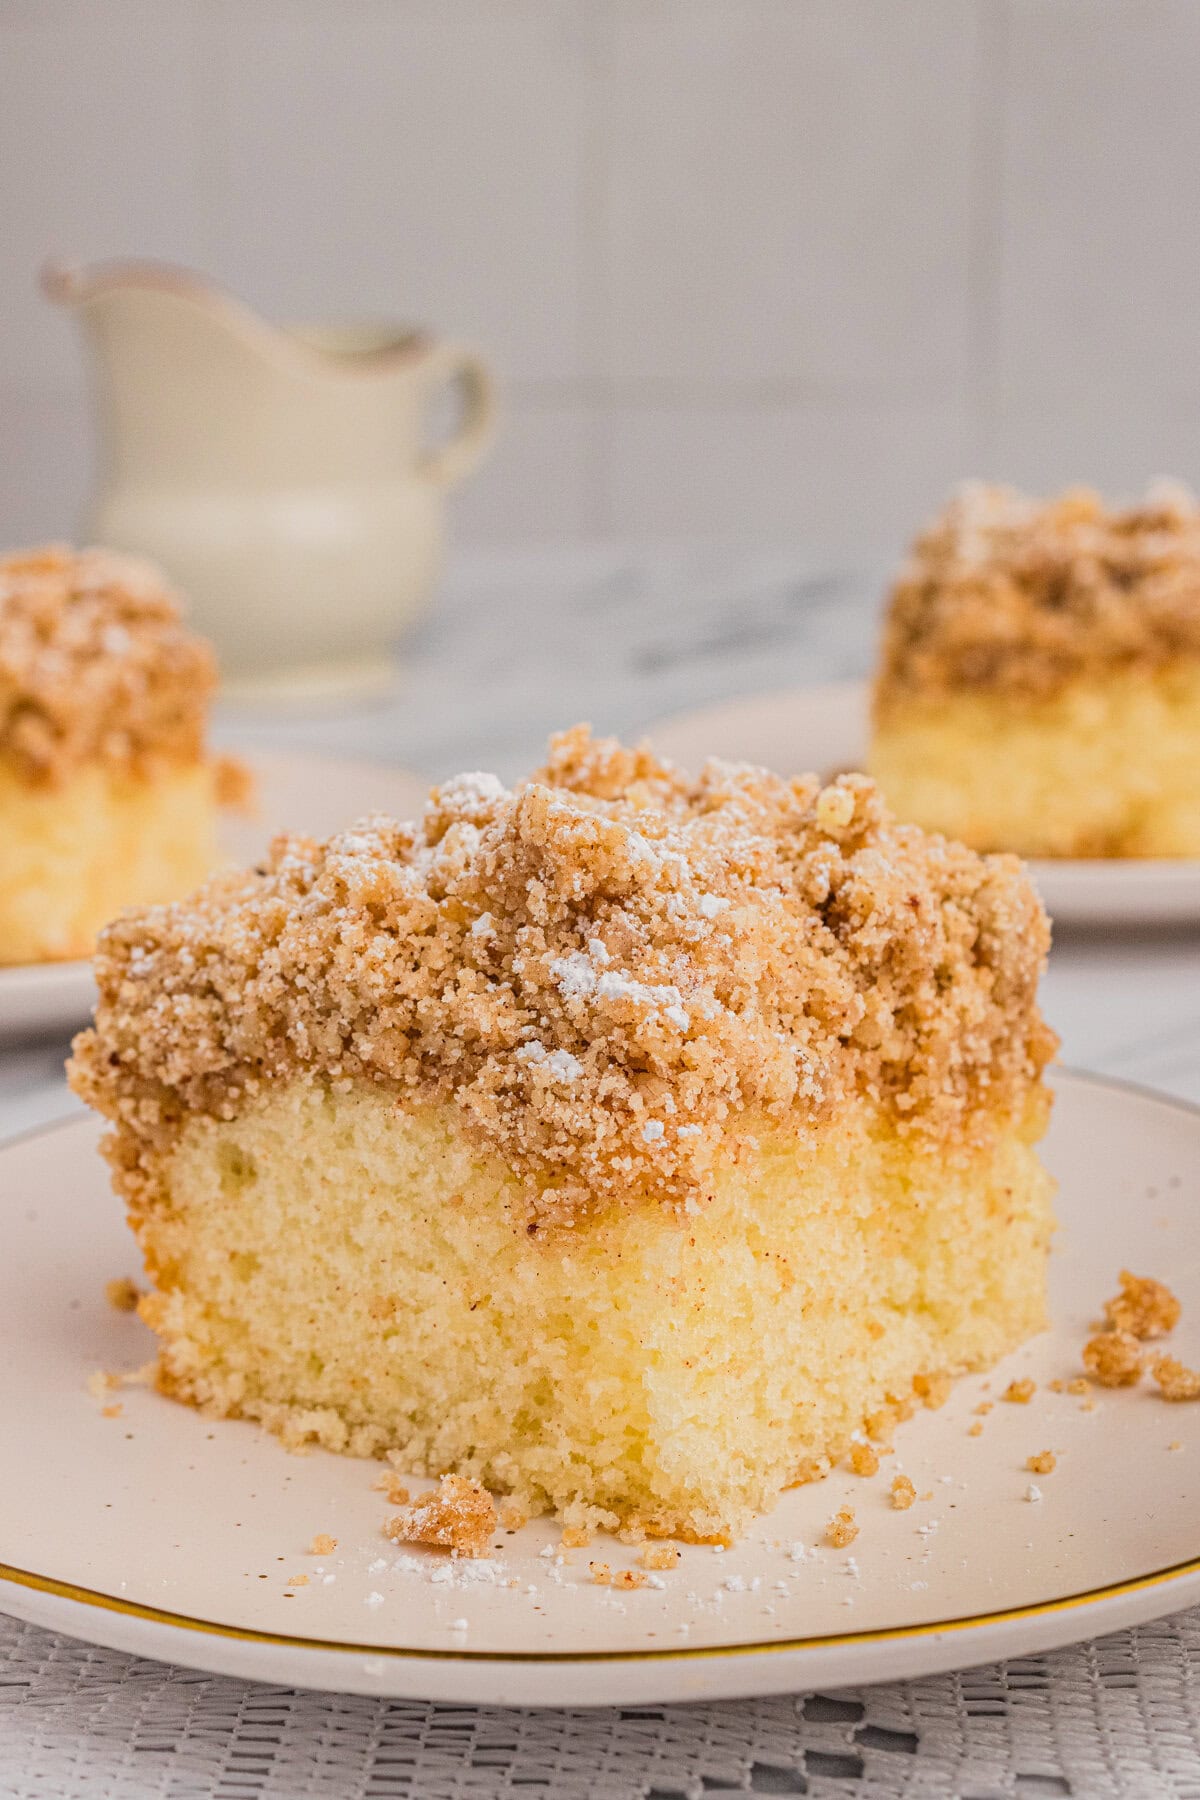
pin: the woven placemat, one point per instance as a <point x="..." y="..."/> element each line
<point x="1120" y="1717"/>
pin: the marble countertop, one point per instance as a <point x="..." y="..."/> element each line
<point x="522" y="643"/>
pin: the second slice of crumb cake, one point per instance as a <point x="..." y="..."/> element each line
<point x="629" y="1142"/>
<point x="108" y="795"/>
<point x="1039" y="689"/>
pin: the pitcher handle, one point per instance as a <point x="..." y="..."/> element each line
<point x="460" y="453"/>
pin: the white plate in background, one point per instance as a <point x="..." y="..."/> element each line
<point x="316" y="795"/>
<point x="163" y="1533"/>
<point x="825" y="729"/>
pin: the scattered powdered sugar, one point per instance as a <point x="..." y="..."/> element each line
<point x="559" y="1063"/>
<point x="477" y="787"/>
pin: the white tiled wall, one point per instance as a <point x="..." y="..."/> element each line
<point x="771" y="268"/>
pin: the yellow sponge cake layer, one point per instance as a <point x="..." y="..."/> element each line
<point x="361" y="1275"/>
<point x="1104" y="767"/>
<point x="73" y="855"/>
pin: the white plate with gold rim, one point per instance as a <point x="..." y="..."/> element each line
<point x="165" y="1534"/>
<point x="825" y="729"/>
<point x="294" y="792"/>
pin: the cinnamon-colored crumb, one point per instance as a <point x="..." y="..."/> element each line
<point x="1020" y="1392"/>
<point x="113" y="1410"/>
<point x="601" y="1573"/>
<point x="841" y="1529"/>
<point x="122" y="1294"/>
<point x="1079" y="1384"/>
<point x="608" y="968"/>
<point x="574" y="1537"/>
<point x="903" y="1493"/>
<point x="323" y="1545"/>
<point x="96" y="665"/>
<point x="984" y="1408"/>
<point x="1145" y="1308"/>
<point x="297" y="1581"/>
<point x="629" y="1578"/>
<point x="660" y="1556"/>
<point x="1057" y="1386"/>
<point x="1175" y="1379"/>
<point x="1022" y="596"/>
<point x="387" y="1482"/>
<point x="460" y="1515"/>
<point x="934" y="1390"/>
<point x="1114" y="1358"/>
<point x="864" y="1460"/>
<point x="975" y="1429"/>
<point x="1042" y="1463"/>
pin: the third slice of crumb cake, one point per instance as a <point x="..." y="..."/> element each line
<point x="1040" y="682"/>
<point x="626" y="1141"/>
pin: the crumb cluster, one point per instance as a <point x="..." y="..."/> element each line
<point x="1175" y="1380"/>
<point x="1022" y="596"/>
<point x="96" y="666"/>
<point x="1143" y="1309"/>
<point x="459" y="1515"/>
<point x="611" y="970"/>
<point x="842" y="1529"/>
<point x="903" y="1493"/>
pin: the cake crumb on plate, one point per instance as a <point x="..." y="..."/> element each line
<point x="1145" y="1308"/>
<point x="1114" y="1358"/>
<point x="841" y="1529"/>
<point x="122" y="1294"/>
<point x="460" y="1516"/>
<point x="1175" y="1379"/>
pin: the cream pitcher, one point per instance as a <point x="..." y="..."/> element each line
<point x="282" y="478"/>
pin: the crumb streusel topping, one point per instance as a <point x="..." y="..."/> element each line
<point x="1020" y="596"/>
<point x="613" y="970"/>
<point x="96" y="665"/>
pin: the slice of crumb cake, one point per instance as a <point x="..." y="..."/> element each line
<point x="1040" y="680"/>
<point x="107" y="797"/>
<point x="624" y="1141"/>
